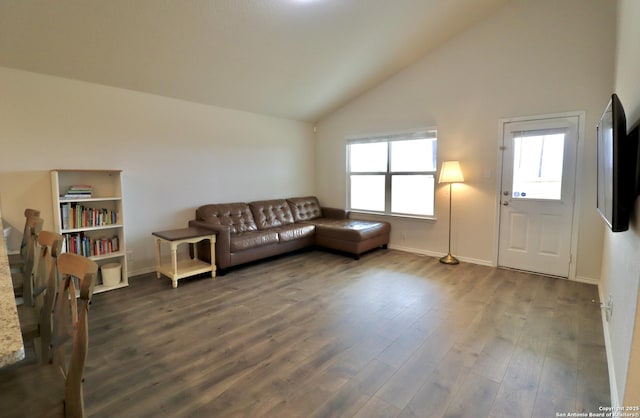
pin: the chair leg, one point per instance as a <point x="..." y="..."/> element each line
<point x="37" y="346"/>
<point x="385" y="246"/>
<point x="27" y="290"/>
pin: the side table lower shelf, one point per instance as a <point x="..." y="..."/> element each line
<point x="185" y="268"/>
<point x="179" y="269"/>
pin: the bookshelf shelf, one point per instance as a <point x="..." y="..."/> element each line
<point x="90" y="228"/>
<point x="104" y="201"/>
<point x="93" y="199"/>
<point x="107" y="256"/>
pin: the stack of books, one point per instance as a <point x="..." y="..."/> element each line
<point x="79" y="192"/>
<point x="76" y="215"/>
<point x="88" y="246"/>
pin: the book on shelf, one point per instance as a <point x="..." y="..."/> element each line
<point x="75" y="196"/>
<point x="88" y="246"/>
<point x="76" y="215"/>
<point x="80" y="191"/>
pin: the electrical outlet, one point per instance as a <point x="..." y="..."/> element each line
<point x="403" y="236"/>
<point x="129" y="255"/>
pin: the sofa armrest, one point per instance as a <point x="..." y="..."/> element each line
<point x="334" y="213"/>
<point x="223" y="243"/>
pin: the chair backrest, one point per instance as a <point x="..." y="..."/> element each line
<point x="32" y="229"/>
<point x="28" y="213"/>
<point x="50" y="245"/>
<point x="46" y="283"/>
<point x="71" y="324"/>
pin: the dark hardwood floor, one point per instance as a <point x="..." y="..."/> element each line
<point x="322" y="335"/>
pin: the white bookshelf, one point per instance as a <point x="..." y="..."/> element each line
<point x="107" y="194"/>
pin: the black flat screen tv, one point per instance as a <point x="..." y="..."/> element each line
<point x="617" y="156"/>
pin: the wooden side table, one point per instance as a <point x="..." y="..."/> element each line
<point x="177" y="270"/>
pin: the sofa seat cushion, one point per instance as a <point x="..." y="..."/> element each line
<point x="252" y="239"/>
<point x="349" y="229"/>
<point x="295" y="231"/>
<point x="271" y="213"/>
<point x="305" y="208"/>
<point x="237" y="216"/>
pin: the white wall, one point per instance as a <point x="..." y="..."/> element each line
<point x="530" y="58"/>
<point x="176" y="155"/>
<point x="621" y="256"/>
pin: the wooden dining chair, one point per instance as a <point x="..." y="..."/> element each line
<point x="23" y="279"/>
<point x="55" y="390"/>
<point x="36" y="321"/>
<point x="17" y="260"/>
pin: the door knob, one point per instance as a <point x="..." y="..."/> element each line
<point x="505" y="203"/>
<point x="506" y="193"/>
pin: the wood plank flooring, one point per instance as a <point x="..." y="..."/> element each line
<point x="322" y="335"/>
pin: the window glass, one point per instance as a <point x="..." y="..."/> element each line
<point x="368" y="157"/>
<point x="413" y="155"/>
<point x="368" y="192"/>
<point x="393" y="174"/>
<point x="537" y="166"/>
<point x="412" y="194"/>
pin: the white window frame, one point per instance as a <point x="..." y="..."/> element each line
<point x="423" y="133"/>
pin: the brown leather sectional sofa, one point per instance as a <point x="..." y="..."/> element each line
<point x="252" y="231"/>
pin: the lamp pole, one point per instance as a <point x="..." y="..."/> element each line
<point x="449" y="259"/>
<point x="450" y="173"/>
<point x="450" y="200"/>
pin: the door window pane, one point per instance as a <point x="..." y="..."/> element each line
<point x="537" y="166"/>
<point x="368" y="157"/>
<point x="367" y="192"/>
<point x="412" y="194"/>
<point x="413" y="155"/>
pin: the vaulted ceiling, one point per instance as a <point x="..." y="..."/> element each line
<point x="298" y="59"/>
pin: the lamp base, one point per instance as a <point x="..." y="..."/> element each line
<point x="449" y="259"/>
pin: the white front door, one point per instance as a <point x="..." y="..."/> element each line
<point x="537" y="194"/>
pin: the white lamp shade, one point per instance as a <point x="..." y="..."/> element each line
<point x="450" y="172"/>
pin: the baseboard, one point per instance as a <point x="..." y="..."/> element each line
<point x="587" y="280"/>
<point x="139" y="272"/>
<point x="476" y="261"/>
<point x="613" y="386"/>
<point x="438" y="255"/>
<point x="415" y="250"/>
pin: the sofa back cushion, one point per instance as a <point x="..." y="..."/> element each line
<point x="305" y="208"/>
<point x="271" y="213"/>
<point x="237" y="216"/>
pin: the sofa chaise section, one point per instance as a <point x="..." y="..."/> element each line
<point x="334" y="229"/>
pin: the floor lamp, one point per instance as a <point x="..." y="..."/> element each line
<point x="450" y="173"/>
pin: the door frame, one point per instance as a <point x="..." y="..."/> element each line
<point x="575" y="224"/>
